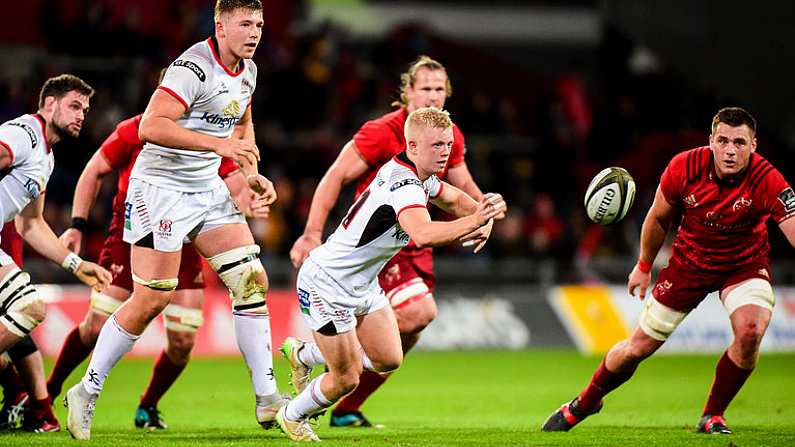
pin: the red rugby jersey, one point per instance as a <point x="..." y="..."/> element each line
<point x="381" y="139"/>
<point x="723" y="221"/>
<point x="122" y="147"/>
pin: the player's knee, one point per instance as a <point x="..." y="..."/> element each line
<point x="749" y="335"/>
<point x="389" y="363"/>
<point x="347" y="381"/>
<point x="243" y="274"/>
<point x="24" y="309"/>
<point x="659" y="321"/>
<point x="417" y="315"/>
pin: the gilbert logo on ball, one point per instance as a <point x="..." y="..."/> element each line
<point x="609" y="196"/>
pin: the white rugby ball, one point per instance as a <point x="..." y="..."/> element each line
<point x="609" y="196"/>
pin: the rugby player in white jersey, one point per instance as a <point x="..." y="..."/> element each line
<point x="199" y="113"/>
<point x="26" y="163"/>
<point x="338" y="291"/>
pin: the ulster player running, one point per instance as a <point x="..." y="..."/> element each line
<point x="201" y="112"/>
<point x="338" y="291"/>
<point x="725" y="193"/>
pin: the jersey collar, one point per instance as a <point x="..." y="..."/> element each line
<point x="403" y="159"/>
<point x="43" y="123"/>
<point x="213" y="44"/>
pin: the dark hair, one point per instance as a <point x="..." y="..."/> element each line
<point x="734" y="117"/>
<point x="60" y="85"/>
<point x="408" y="78"/>
<point x="222" y="6"/>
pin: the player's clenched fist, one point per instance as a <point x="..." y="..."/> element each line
<point x="93" y="275"/>
<point x="491" y="206"/>
<point x="239" y="150"/>
<point x="263" y="187"/>
<point x="302" y="247"/>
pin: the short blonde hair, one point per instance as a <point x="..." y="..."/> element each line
<point x="408" y="78"/>
<point x="427" y="117"/>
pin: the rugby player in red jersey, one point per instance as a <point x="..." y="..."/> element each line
<point x="724" y="193"/>
<point x="182" y="317"/>
<point x="408" y="279"/>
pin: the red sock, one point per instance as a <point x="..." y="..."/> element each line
<point x="42" y="408"/>
<point x="602" y="382"/>
<point x="11" y="383"/>
<point x="729" y="378"/>
<point x="368" y="383"/>
<point x="164" y="374"/>
<point x="72" y="354"/>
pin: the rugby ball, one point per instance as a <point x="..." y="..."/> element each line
<point x="609" y="196"/>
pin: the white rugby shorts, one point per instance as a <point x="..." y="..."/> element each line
<point x="172" y="216"/>
<point x="322" y="300"/>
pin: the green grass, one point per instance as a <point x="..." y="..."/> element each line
<point x="467" y="399"/>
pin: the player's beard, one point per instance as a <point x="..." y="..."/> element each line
<point x="63" y="131"/>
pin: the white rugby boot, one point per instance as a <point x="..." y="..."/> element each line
<point x="296" y="430"/>
<point x="299" y="374"/>
<point x="81" y="406"/>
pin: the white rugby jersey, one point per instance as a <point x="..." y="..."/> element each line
<point x="32" y="162"/>
<point x="370" y="234"/>
<point x="215" y="99"/>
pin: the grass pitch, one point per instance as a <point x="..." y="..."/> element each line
<point x="456" y="399"/>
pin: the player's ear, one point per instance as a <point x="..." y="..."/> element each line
<point x="753" y="144"/>
<point x="219" y="28"/>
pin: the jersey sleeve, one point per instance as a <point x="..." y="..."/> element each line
<point x="185" y="79"/>
<point x="372" y="140"/>
<point x="405" y="191"/>
<point x="16" y="140"/>
<point x="672" y="180"/>
<point x="434" y="186"/>
<point x="780" y="197"/>
<point x="118" y="147"/>
<point x="228" y="167"/>
<point x="458" y="150"/>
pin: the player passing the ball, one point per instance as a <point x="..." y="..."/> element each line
<point x="339" y="294"/>
<point x="725" y="193"/>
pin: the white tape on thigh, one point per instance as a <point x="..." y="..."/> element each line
<point x="238" y="269"/>
<point x="659" y="321"/>
<point x="182" y="319"/>
<point x="410" y="290"/>
<point x="755" y="291"/>
<point x="160" y="285"/>
<point x="103" y="304"/>
<point x="16" y="294"/>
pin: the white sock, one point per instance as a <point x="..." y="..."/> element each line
<point x="253" y="332"/>
<point x="309" y="402"/>
<point x="310" y="355"/>
<point x="113" y="342"/>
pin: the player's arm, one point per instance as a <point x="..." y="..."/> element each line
<point x="652" y="235"/>
<point x="85" y="195"/>
<point x="159" y="126"/>
<point x="460" y="177"/>
<point x="416" y="221"/>
<point x="458" y="203"/>
<point x="249" y="203"/>
<point x="37" y="233"/>
<point x="348" y="167"/>
<point x="788" y="228"/>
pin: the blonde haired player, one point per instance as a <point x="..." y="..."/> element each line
<point x="338" y="291"/>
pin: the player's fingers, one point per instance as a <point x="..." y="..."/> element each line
<point x="480" y="246"/>
<point x="642" y="292"/>
<point x="631" y="288"/>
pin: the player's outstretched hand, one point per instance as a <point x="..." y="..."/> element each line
<point x="72" y="239"/>
<point x="638" y="280"/>
<point x="263" y="187"/>
<point x="491" y="206"/>
<point x="93" y="275"/>
<point x="258" y="208"/>
<point x="238" y="150"/>
<point x="478" y="237"/>
<point x="302" y="247"/>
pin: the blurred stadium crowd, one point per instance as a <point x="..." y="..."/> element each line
<point x="535" y="132"/>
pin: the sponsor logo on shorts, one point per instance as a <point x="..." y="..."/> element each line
<point x="690" y="201"/>
<point x="34" y="140"/>
<point x="127" y="213"/>
<point x="764" y="273"/>
<point x="664" y="287"/>
<point x="192" y="66"/>
<point x="787" y="197"/>
<point x="303" y="300"/>
<point x="405" y="182"/>
<point x="164" y="228"/>
<point x="116" y="269"/>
